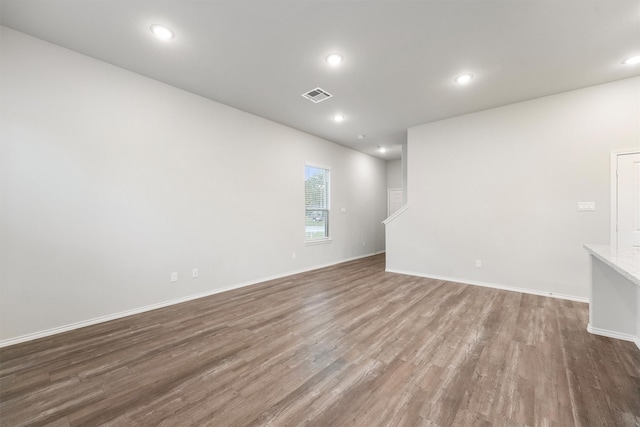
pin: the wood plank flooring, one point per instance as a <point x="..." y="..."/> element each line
<point x="345" y="345"/>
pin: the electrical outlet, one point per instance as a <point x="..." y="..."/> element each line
<point x="174" y="276"/>
<point x="293" y="255"/>
<point x="364" y="244"/>
<point x="195" y="273"/>
<point x="478" y="263"/>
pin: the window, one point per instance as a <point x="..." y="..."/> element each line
<point x="316" y="203"/>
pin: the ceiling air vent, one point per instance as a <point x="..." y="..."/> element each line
<point x="316" y="95"/>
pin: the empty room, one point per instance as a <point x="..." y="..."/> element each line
<point x="322" y="213"/>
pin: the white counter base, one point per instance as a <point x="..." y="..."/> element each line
<point x="614" y="302"/>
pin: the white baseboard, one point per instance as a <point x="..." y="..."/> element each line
<point x="612" y="334"/>
<point x="494" y="286"/>
<point x="119" y="315"/>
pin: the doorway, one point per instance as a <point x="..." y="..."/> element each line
<point x="625" y="198"/>
<point x="394" y="200"/>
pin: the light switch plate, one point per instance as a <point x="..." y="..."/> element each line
<point x="586" y="206"/>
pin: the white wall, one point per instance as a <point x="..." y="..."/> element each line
<point x="637" y="317"/>
<point x="503" y="185"/>
<point x="110" y="181"/>
<point x="404" y="171"/>
<point x="394" y="173"/>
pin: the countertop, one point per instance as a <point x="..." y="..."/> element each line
<point x="625" y="260"/>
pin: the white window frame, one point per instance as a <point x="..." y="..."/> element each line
<point x="326" y="239"/>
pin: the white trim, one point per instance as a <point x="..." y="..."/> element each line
<point x="612" y="334"/>
<point x="114" y="316"/>
<point x="318" y="241"/>
<point x="396" y="214"/>
<point x="494" y="286"/>
<point x="613" y="220"/>
<point x="316" y="165"/>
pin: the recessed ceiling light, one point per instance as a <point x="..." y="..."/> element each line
<point x="334" y="59"/>
<point x="382" y="149"/>
<point x="464" y="78"/>
<point x="338" y="118"/>
<point x="162" y="32"/>
<point x="632" y="61"/>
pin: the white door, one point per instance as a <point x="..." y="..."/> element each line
<point x="628" y="199"/>
<point x="394" y="200"/>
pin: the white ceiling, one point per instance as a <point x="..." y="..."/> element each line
<point x="400" y="56"/>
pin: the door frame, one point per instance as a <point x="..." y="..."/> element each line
<point x="613" y="221"/>
<point x="389" y="190"/>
